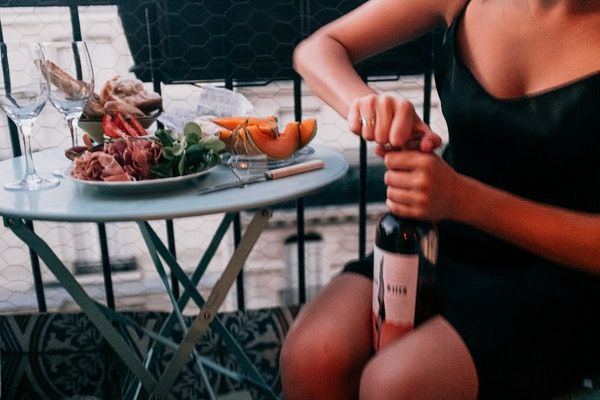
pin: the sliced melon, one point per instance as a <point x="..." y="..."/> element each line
<point x="229" y="122"/>
<point x="225" y="135"/>
<point x="233" y="122"/>
<point x="308" y="130"/>
<point x="250" y="147"/>
<point x="279" y="147"/>
<point x="253" y="136"/>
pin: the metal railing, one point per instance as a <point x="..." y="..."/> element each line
<point x="154" y="28"/>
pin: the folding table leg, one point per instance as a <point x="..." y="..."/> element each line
<point x="214" y="301"/>
<point x="155" y="244"/>
<point x="152" y="241"/>
<point x="88" y="306"/>
<point x="167" y="327"/>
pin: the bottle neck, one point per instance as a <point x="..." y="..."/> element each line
<point x="404" y="235"/>
<point x="415" y="221"/>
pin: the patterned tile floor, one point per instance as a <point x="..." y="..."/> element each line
<point x="62" y="356"/>
<point x="90" y="376"/>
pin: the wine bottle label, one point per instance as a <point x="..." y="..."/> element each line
<point x="394" y="295"/>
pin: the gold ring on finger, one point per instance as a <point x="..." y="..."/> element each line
<point x="367" y="122"/>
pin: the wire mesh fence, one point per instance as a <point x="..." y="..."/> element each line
<point x="270" y="273"/>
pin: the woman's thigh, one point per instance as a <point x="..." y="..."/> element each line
<point x="431" y="362"/>
<point x="330" y="342"/>
<point x="337" y="323"/>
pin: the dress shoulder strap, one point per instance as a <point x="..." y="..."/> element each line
<point x="456" y="19"/>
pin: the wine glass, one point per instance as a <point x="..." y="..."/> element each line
<point x="68" y="68"/>
<point x="23" y="94"/>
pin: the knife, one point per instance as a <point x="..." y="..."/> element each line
<point x="272" y="174"/>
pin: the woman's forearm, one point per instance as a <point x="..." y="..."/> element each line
<point x="325" y="59"/>
<point x="563" y="236"/>
<point x="327" y="68"/>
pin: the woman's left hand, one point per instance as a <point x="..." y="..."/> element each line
<point x="420" y="185"/>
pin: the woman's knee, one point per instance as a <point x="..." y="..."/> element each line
<point x="379" y="382"/>
<point x="333" y="332"/>
<point x="311" y="348"/>
<point x="432" y="362"/>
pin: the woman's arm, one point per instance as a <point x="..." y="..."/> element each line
<point x="325" y="59"/>
<point x="563" y="236"/>
<point x="424" y="186"/>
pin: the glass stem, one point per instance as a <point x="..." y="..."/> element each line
<point x="25" y="129"/>
<point x="72" y="122"/>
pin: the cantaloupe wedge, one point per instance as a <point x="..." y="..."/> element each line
<point x="225" y="135"/>
<point x="253" y="136"/>
<point x="243" y="143"/>
<point x="308" y="130"/>
<point x="277" y="147"/>
<point x="233" y="122"/>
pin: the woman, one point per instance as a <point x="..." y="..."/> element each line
<point x="516" y="196"/>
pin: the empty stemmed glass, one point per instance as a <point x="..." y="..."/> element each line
<point x="68" y="68"/>
<point x="23" y="94"/>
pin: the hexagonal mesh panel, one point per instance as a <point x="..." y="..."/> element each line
<point x="249" y="44"/>
<point x="246" y="41"/>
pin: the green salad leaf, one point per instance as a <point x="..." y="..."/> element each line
<point x="186" y="153"/>
<point x="192" y="132"/>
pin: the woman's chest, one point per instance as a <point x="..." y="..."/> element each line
<point x="512" y="53"/>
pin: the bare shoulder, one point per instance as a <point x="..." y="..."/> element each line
<point x="381" y="24"/>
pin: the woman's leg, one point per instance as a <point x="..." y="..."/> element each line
<point x="330" y="342"/>
<point x="432" y="362"/>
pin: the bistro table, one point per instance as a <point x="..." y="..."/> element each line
<point x="73" y="202"/>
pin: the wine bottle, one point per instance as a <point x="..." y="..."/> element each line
<point x="404" y="261"/>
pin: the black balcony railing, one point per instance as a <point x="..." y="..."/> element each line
<point x="248" y="42"/>
<point x="239" y="43"/>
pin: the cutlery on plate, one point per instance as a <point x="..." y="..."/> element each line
<point x="272" y="174"/>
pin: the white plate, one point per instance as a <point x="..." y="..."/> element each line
<point x="149" y="185"/>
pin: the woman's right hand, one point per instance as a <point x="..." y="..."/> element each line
<point x="392" y="123"/>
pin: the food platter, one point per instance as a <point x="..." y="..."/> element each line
<point x="143" y="186"/>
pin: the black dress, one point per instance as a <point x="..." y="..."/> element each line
<point x="532" y="326"/>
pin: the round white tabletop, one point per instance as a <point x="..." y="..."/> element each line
<point x="76" y="202"/>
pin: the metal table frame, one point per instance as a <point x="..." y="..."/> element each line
<point x="104" y="317"/>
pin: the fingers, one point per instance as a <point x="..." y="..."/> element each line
<point x="382" y="150"/>
<point x="408" y="183"/>
<point x="406" y="160"/>
<point x="406" y="197"/>
<point x="403" y="123"/>
<point x="385" y="114"/>
<point x="429" y="141"/>
<point x="353" y="118"/>
<point x="389" y="121"/>
<point x="401" y="180"/>
<point x="403" y="210"/>
<point x="369" y="115"/>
